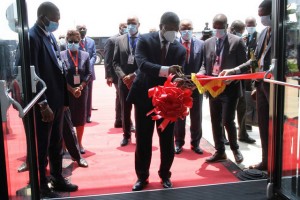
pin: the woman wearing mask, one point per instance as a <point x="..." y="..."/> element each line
<point x="78" y="75"/>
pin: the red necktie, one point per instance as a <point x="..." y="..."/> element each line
<point x="186" y="45"/>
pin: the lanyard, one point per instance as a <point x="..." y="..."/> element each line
<point x="82" y="44"/>
<point x="75" y="61"/>
<point x="132" y="45"/>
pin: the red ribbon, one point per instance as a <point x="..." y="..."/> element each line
<point x="258" y="75"/>
<point x="170" y="102"/>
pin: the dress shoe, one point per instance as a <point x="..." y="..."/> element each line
<point x="63" y="185"/>
<point x="23" y="167"/>
<point x="94" y="108"/>
<point x="260" y="166"/>
<point x="132" y="129"/>
<point x="248" y="127"/>
<point x="166" y="183"/>
<point x="82" y="150"/>
<point x="140" y="184"/>
<point x="82" y="162"/>
<point x="197" y="150"/>
<point x="238" y="156"/>
<point x="118" y="124"/>
<point x="125" y="142"/>
<point x="178" y="149"/>
<point x="46" y="192"/>
<point x="217" y="157"/>
<point x="88" y="120"/>
<point x="248" y="140"/>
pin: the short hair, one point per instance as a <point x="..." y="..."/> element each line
<point x="237" y="26"/>
<point x="73" y="33"/>
<point x="47" y="8"/>
<point x="169" y="18"/>
<point x="266" y="5"/>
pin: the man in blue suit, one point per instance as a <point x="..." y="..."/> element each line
<point x="88" y="44"/>
<point x="194" y="58"/>
<point x="157" y="54"/>
<point x="49" y="112"/>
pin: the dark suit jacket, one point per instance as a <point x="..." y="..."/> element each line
<point x="120" y="59"/>
<point x="148" y="58"/>
<point x="47" y="68"/>
<point x="233" y="54"/>
<point x="109" y="48"/>
<point x="90" y="47"/>
<point x="251" y="44"/>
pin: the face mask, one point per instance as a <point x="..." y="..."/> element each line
<point x="170" y="36"/>
<point x="124" y="31"/>
<point x="82" y="33"/>
<point x="132" y="29"/>
<point x="186" y="35"/>
<point x="219" y="32"/>
<point x="251" y="30"/>
<point x="62" y="41"/>
<point x="266" y="20"/>
<point x="53" y="26"/>
<point x="239" y="34"/>
<point x="73" y="46"/>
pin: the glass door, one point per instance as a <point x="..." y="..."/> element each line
<point x="19" y="179"/>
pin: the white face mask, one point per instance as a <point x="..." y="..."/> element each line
<point x="251" y="29"/>
<point x="170" y="36"/>
<point x="219" y="33"/>
<point x="266" y="20"/>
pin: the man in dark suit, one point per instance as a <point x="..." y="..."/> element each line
<point x="125" y="66"/>
<point x="263" y="55"/>
<point x="110" y="74"/>
<point x="252" y="35"/>
<point x="49" y="111"/>
<point x="88" y="44"/>
<point x="194" y="58"/>
<point x="157" y="55"/>
<point x="223" y="51"/>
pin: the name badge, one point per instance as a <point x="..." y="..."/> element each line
<point x="130" y="59"/>
<point x="76" y="79"/>
<point x="216" y="67"/>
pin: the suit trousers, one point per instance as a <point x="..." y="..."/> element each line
<point x="49" y="139"/>
<point x="89" y="99"/>
<point x="196" y="124"/>
<point x="241" y="116"/>
<point x="126" y="108"/>
<point x="262" y="104"/>
<point x="144" y="134"/>
<point x="118" y="116"/>
<point x="69" y="136"/>
<point x="222" y="111"/>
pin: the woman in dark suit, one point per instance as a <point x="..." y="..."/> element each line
<point x="78" y="75"/>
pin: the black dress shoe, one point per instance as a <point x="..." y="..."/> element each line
<point x="88" y="120"/>
<point x="260" y="166"/>
<point x="23" y="167"/>
<point x="63" y="185"/>
<point x="248" y="140"/>
<point x="238" y="156"/>
<point x="82" y="163"/>
<point x="140" y="184"/>
<point x="197" y="150"/>
<point x="166" y="183"/>
<point x="46" y="192"/>
<point x="178" y="149"/>
<point x="125" y="142"/>
<point x="248" y="127"/>
<point x="94" y="108"/>
<point x="217" y="157"/>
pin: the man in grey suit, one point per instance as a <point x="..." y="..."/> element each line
<point x="126" y="68"/>
<point x="110" y="74"/>
<point x="223" y="51"/>
<point x="194" y="58"/>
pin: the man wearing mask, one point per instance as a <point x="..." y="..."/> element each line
<point x="263" y="55"/>
<point x="110" y="74"/>
<point x="223" y="51"/>
<point x="125" y="66"/>
<point x="157" y="54"/>
<point x="88" y="44"/>
<point x="49" y="111"/>
<point x="194" y="58"/>
<point x="237" y="28"/>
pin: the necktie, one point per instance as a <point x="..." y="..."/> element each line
<point x="82" y="44"/>
<point x="218" y="46"/>
<point x="163" y="52"/>
<point x="186" y="45"/>
<point x="132" y="40"/>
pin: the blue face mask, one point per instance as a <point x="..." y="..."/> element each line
<point x="124" y="31"/>
<point x="53" y="26"/>
<point x="239" y="34"/>
<point x="266" y="20"/>
<point x="73" y="46"/>
<point x="219" y="33"/>
<point x="186" y="35"/>
<point x="132" y="29"/>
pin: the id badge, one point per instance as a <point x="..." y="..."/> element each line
<point x="216" y="69"/>
<point x="130" y="59"/>
<point x="76" y="79"/>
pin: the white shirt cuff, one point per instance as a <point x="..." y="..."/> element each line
<point x="164" y="71"/>
<point x="237" y="70"/>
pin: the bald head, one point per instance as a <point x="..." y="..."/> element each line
<point x="47" y="9"/>
<point x="81" y="28"/>
<point x="220" y="21"/>
<point x="186" y="24"/>
<point x="250" y="21"/>
<point x="48" y="13"/>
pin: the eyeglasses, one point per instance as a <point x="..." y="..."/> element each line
<point x="76" y="42"/>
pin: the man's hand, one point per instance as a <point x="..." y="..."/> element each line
<point x="47" y="114"/>
<point x="227" y="72"/>
<point x="76" y="92"/>
<point x="174" y="69"/>
<point x="128" y="80"/>
<point x="109" y="81"/>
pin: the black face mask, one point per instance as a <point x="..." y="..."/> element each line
<point x="82" y="33"/>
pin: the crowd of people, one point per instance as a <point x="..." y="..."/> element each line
<point x="134" y="63"/>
